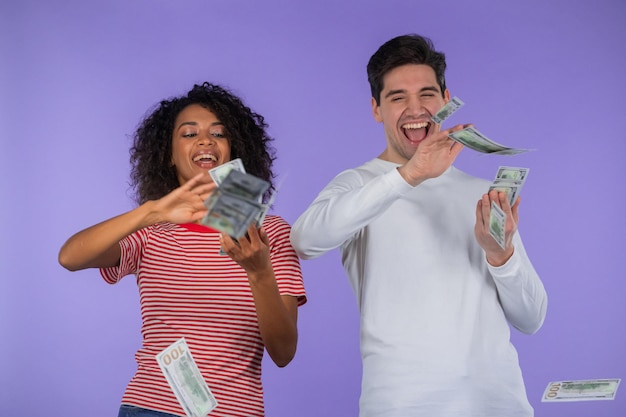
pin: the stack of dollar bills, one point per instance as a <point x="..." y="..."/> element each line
<point x="237" y="201"/>
<point x="509" y="180"/>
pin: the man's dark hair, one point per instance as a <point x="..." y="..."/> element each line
<point x="402" y="50"/>
<point x="152" y="174"/>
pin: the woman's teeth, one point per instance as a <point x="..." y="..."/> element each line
<point x="204" y="157"/>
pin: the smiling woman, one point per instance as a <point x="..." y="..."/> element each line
<point x="206" y="111"/>
<point x="198" y="142"/>
<point x="228" y="308"/>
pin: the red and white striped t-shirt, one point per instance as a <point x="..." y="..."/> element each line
<point x="187" y="288"/>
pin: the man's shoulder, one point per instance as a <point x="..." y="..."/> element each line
<point x="370" y="169"/>
<point x="459" y="176"/>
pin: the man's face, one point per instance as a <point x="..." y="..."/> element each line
<point x="409" y="98"/>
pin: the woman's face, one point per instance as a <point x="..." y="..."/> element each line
<point x="198" y="142"/>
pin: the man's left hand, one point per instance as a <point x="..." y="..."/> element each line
<point x="496" y="256"/>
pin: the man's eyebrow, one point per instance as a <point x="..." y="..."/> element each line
<point x="400" y="91"/>
<point x="394" y="92"/>
<point x="430" y="88"/>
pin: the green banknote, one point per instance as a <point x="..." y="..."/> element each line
<point x="185" y="379"/>
<point x="475" y="140"/>
<point x="581" y="390"/>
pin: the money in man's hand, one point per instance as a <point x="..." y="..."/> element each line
<point x="446" y="111"/>
<point x="473" y="139"/>
<point x="511" y="181"/>
<point x="497" y="222"/>
<point x="512" y="173"/>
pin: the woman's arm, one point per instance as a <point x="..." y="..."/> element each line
<point x="98" y="245"/>
<point x="277" y="314"/>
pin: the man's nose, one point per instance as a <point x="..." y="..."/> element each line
<point x="414" y="106"/>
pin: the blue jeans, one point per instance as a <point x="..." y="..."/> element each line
<point x="132" y="411"/>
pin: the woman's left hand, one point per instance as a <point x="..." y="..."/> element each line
<point x="250" y="251"/>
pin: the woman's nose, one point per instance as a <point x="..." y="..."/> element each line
<point x="206" y="139"/>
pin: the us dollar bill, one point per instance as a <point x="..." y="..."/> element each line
<point x="220" y="172"/>
<point x="265" y="208"/>
<point x="581" y="390"/>
<point x="512" y="173"/>
<point x="246" y="186"/>
<point x="510" y="180"/>
<point x="185" y="379"/>
<point x="511" y="188"/>
<point x="230" y="214"/>
<point x="475" y="140"/>
<point x="497" y="223"/>
<point x="446" y="111"/>
<point x="236" y="203"/>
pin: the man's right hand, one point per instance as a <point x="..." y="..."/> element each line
<point x="433" y="156"/>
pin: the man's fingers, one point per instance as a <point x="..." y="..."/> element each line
<point x="515" y="208"/>
<point x="486" y="209"/>
<point x="456" y="148"/>
<point x="479" y="212"/>
<point x="457" y="128"/>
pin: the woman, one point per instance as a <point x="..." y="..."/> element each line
<point x="228" y="308"/>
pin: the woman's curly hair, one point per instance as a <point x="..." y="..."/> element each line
<point x="152" y="173"/>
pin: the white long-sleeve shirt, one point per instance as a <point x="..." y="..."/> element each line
<point x="435" y="338"/>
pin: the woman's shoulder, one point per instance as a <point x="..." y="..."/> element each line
<point x="275" y="221"/>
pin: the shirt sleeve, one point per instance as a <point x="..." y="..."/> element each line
<point x="131" y="250"/>
<point x="285" y="262"/>
<point x="343" y="207"/>
<point x="521" y="293"/>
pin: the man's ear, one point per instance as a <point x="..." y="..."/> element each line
<point x="376" y="111"/>
<point x="446" y="95"/>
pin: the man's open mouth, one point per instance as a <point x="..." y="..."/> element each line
<point x="416" y="131"/>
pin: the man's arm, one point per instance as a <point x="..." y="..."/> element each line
<point x="520" y="290"/>
<point x="344" y="207"/>
<point x="348" y="204"/>
<point x="521" y="293"/>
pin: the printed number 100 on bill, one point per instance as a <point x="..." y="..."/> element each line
<point x="583" y="390"/>
<point x="185" y="379"/>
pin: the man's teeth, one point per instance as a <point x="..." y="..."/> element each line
<point x="204" y="156"/>
<point x="415" y="125"/>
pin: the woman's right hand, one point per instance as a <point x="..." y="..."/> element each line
<point x="186" y="203"/>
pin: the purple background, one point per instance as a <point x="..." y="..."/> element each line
<point x="76" y="77"/>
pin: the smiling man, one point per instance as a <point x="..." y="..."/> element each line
<point x="436" y="292"/>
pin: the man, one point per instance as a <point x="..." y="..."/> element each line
<point x="436" y="292"/>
